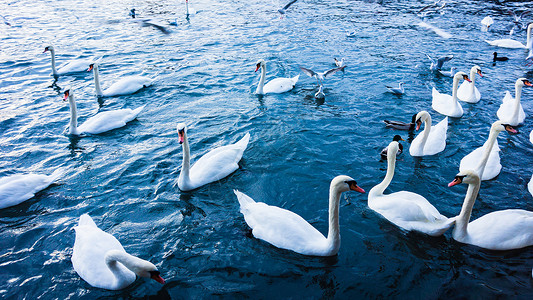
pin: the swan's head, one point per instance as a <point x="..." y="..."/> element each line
<point x="66" y="94"/>
<point x="421" y="117"/>
<point x="148" y="270"/>
<point x="345" y="183"/>
<point x="92" y="66"/>
<point x="48" y="48"/>
<point x="477" y="69"/>
<point x="259" y="64"/>
<point x="468" y="177"/>
<point x="523" y="81"/>
<point x="499" y="126"/>
<point x="182" y="130"/>
<point x="461" y="75"/>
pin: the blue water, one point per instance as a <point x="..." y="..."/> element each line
<point x="204" y="69"/>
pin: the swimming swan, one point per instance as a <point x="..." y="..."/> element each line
<point x="101" y="122"/>
<point x="125" y="86"/>
<point x="276" y="85"/>
<point x="99" y="258"/>
<point x="511" y="111"/>
<point x="499" y="230"/>
<point x="73" y="66"/>
<point x="446" y="104"/>
<point x="405" y="209"/>
<point x="468" y="91"/>
<point x="432" y="140"/>
<point x="287" y="230"/>
<point x="15" y="189"/>
<point x="510" y="43"/>
<point x="214" y="165"/>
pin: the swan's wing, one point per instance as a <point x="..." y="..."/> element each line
<point x="406" y="208"/>
<point x="19" y="188"/>
<point x="506" y="111"/>
<point x="436" y="141"/>
<point x="333" y="71"/>
<point x="128" y="85"/>
<point x="308" y="72"/>
<point x="77" y="65"/>
<point x="463" y="92"/>
<point x="109" y="120"/>
<point x="279" y="85"/>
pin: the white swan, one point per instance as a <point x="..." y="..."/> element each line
<point x="432" y="140"/>
<point x="500" y="230"/>
<point x="101" y="122"/>
<point x="510" y="43"/>
<point x="276" y="85"/>
<point x="125" y="86"/>
<point x="485" y="160"/>
<point x="468" y="91"/>
<point x="99" y="258"/>
<point x="15" y="189"/>
<point x="511" y="110"/>
<point x="287" y="230"/>
<point x="214" y="165"/>
<point x="73" y="66"/>
<point x="446" y="104"/>
<point x="407" y="210"/>
<point x="530" y="184"/>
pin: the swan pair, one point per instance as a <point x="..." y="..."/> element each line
<point x="101" y="122"/>
<point x="405" y="209"/>
<point x="214" y="165"/>
<point x="500" y="230"/>
<point x="73" y="66"/>
<point x="125" y="86"/>
<point x="512" y="44"/>
<point x="511" y="111"/>
<point x="18" y="188"/>
<point x="468" y="91"/>
<point x="446" y="104"/>
<point x="485" y="160"/>
<point x="276" y="85"/>
<point x="99" y="258"/>
<point x="287" y="230"/>
<point x="432" y="140"/>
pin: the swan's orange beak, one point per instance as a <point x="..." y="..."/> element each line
<point x="457" y="180"/>
<point x="479" y="73"/>
<point x="65" y="97"/>
<point x="526" y="82"/>
<point x="355" y="187"/>
<point x="510" y="128"/>
<point x="465" y="77"/>
<point x="90" y="67"/>
<point x="257" y="67"/>
<point x="181" y="136"/>
<point x="418" y="124"/>
<point x="155" y="276"/>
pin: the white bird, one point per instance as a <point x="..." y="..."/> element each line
<point x="125" y="86"/>
<point x="15" y="189"/>
<point x="511" y="111"/>
<point x="99" y="258"/>
<point x="485" y="160"/>
<point x="214" y="165"/>
<point x="448" y="73"/>
<point x="500" y="230"/>
<point x="530" y="184"/>
<point x="276" y="85"/>
<point x="321" y="76"/>
<point x="487" y="21"/>
<point x="397" y="91"/>
<point x="436" y="64"/>
<point x="468" y="91"/>
<point x="320" y="93"/>
<point x="432" y="140"/>
<point x="339" y="63"/>
<point x="405" y="209"/>
<point x="73" y="66"/>
<point x="513" y="44"/>
<point x="101" y="122"/>
<point x="446" y="104"/>
<point x="287" y="230"/>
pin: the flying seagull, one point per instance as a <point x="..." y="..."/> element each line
<point x="282" y="10"/>
<point x="320" y="76"/>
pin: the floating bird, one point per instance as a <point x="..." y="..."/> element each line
<point x="99" y="258"/>
<point x="499" y="58"/>
<point x="402" y="125"/>
<point x="287" y="230"/>
<point x="214" y="165"/>
<point x="511" y="111"/>
<point x="405" y="209"/>
<point x="468" y="91"/>
<point x="132" y="13"/>
<point x="73" y="66"/>
<point x="15" y="189"/>
<point x="499" y="230"/>
<point x="282" y="10"/>
<point x="446" y="104"/>
<point x="124" y="86"/>
<point x="276" y="85"/>
<point x="448" y="73"/>
<point x="102" y="121"/>
<point x="512" y="44"/>
<point x="397" y="91"/>
<point x="487" y="21"/>
<point x="436" y="64"/>
<point x="351" y="34"/>
<point x="321" y="76"/>
<point x="432" y="140"/>
<point x="396" y="138"/>
<point x="339" y="63"/>
<point x="320" y="93"/>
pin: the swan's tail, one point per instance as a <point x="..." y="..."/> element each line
<point x="56" y="174"/>
<point x="137" y="111"/>
<point x="434" y="92"/>
<point x="243" y="143"/>
<point x="244" y="200"/>
<point x="295" y="78"/>
<point x="86" y="220"/>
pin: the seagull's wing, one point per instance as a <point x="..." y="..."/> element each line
<point x="308" y="72"/>
<point x="442" y="60"/>
<point x="333" y="71"/>
<point x="161" y="28"/>
<point x="289" y="4"/>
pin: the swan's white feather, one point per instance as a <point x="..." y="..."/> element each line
<point x="109" y="120"/>
<point x="280" y="85"/>
<point x="464" y="92"/>
<point x="74" y="66"/>
<point x="506" y="111"/>
<point x="435" y="143"/>
<point x="18" y="188"/>
<point x="445" y="105"/>
<point x="507" y="43"/>
<point x="492" y="167"/>
<point x="127" y="85"/>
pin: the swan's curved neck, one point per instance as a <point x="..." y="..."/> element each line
<point x="53" y="54"/>
<point x="473" y="78"/>
<point x="529" y="42"/>
<point x="454" y="91"/>
<point x="334" y="236"/>
<point x="112" y="257"/>
<point x="73" y="115"/>
<point x="489" y="144"/>
<point x="461" y="223"/>
<point x="380" y="188"/>
<point x="425" y="133"/>
<point x="259" y="89"/>
<point x="97" y="80"/>
<point x="518" y="95"/>
<point x="185" y="166"/>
